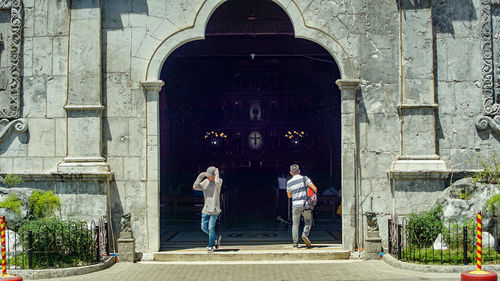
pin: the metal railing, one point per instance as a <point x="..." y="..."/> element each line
<point x="451" y="243"/>
<point x="64" y="244"/>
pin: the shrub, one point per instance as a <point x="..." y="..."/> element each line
<point x="423" y="228"/>
<point x="490" y="172"/>
<point x="453" y="234"/>
<point x="57" y="243"/>
<point x="13" y="203"/>
<point x="12" y="181"/>
<point x="490" y="203"/>
<point x="42" y="204"/>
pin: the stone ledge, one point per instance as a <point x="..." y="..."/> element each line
<point x="31" y="274"/>
<point x="65" y="177"/>
<point x="390" y="260"/>
<point x="418" y="169"/>
<point x="423" y="174"/>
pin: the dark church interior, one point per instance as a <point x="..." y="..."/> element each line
<point x="250" y="99"/>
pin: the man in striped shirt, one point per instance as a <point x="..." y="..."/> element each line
<point x="296" y="189"/>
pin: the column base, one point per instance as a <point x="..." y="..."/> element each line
<point x="419" y="169"/>
<point x="90" y="165"/>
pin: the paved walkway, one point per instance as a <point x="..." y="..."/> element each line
<point x="241" y="271"/>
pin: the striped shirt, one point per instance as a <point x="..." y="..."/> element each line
<point x="296" y="186"/>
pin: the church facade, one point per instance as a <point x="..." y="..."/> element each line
<point x="81" y="81"/>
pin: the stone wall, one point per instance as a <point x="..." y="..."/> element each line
<point x="444" y="69"/>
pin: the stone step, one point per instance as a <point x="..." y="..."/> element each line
<point x="255" y="253"/>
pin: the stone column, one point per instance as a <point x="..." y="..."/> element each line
<point x="152" y="89"/>
<point x="84" y="99"/>
<point x="350" y="180"/>
<point x="417" y="106"/>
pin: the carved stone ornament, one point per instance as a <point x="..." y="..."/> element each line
<point x="6" y="127"/>
<point x="125" y="223"/>
<point x="12" y="109"/>
<point x="371" y="221"/>
<point x="490" y="44"/>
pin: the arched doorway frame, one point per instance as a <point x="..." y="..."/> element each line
<point x="348" y="85"/>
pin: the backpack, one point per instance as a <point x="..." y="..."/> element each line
<point x="311" y="196"/>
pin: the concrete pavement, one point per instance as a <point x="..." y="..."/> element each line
<point x="266" y="270"/>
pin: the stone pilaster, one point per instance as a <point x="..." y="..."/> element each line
<point x="417" y="106"/>
<point x="152" y="89"/>
<point x="84" y="98"/>
<point x="350" y="180"/>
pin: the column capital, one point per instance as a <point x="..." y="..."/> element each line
<point x="348" y="84"/>
<point x="154" y="85"/>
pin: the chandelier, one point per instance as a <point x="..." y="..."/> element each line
<point x="295" y="136"/>
<point x="215" y="138"/>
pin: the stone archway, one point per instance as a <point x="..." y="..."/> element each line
<point x="348" y="85"/>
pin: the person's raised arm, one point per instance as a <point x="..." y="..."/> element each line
<point x="196" y="184"/>
<point x="218" y="180"/>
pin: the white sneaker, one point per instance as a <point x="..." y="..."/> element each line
<point x="217" y="242"/>
<point x="210" y="250"/>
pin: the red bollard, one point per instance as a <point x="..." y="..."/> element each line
<point x="479" y="274"/>
<point x="4" y="275"/>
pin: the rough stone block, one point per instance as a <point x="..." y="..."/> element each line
<point x="26" y="165"/>
<point x="469" y="101"/>
<point x="56" y="96"/>
<point x="27" y="69"/>
<point x="126" y="250"/>
<point x="6" y="164"/>
<point x="86" y="9"/>
<point x="379" y="58"/>
<point x="84" y="133"/>
<point x="384" y="19"/>
<point x="179" y="13"/>
<point x="41" y="18"/>
<point x="381" y="98"/>
<point x="418" y="91"/>
<point x="418" y="132"/>
<point x="116" y="165"/>
<point x="164" y="30"/>
<point x="42" y="130"/>
<point x="118" y="43"/>
<point x="418" y="193"/>
<point x="50" y="164"/>
<point x="138" y="73"/>
<point x="35" y="97"/>
<point x="118" y="95"/>
<point x="60" y="55"/>
<point x="116" y="132"/>
<point x="42" y="55"/>
<point x="137" y="136"/>
<point x="136" y="198"/>
<point x="60" y="136"/>
<point x="147" y="47"/>
<point x="58" y="17"/>
<point x="133" y="169"/>
<point x="458" y="59"/>
<point x="383" y="133"/>
<point x="29" y="21"/>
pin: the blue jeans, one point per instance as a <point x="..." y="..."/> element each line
<point x="208" y="226"/>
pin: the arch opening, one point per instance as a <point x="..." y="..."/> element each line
<point x="251" y="99"/>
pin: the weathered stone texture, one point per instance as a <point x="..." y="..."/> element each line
<point x="441" y="57"/>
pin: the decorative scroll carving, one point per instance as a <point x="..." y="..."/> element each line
<point x="485" y="122"/>
<point x="490" y="87"/>
<point x="6" y="127"/>
<point x="12" y="109"/>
